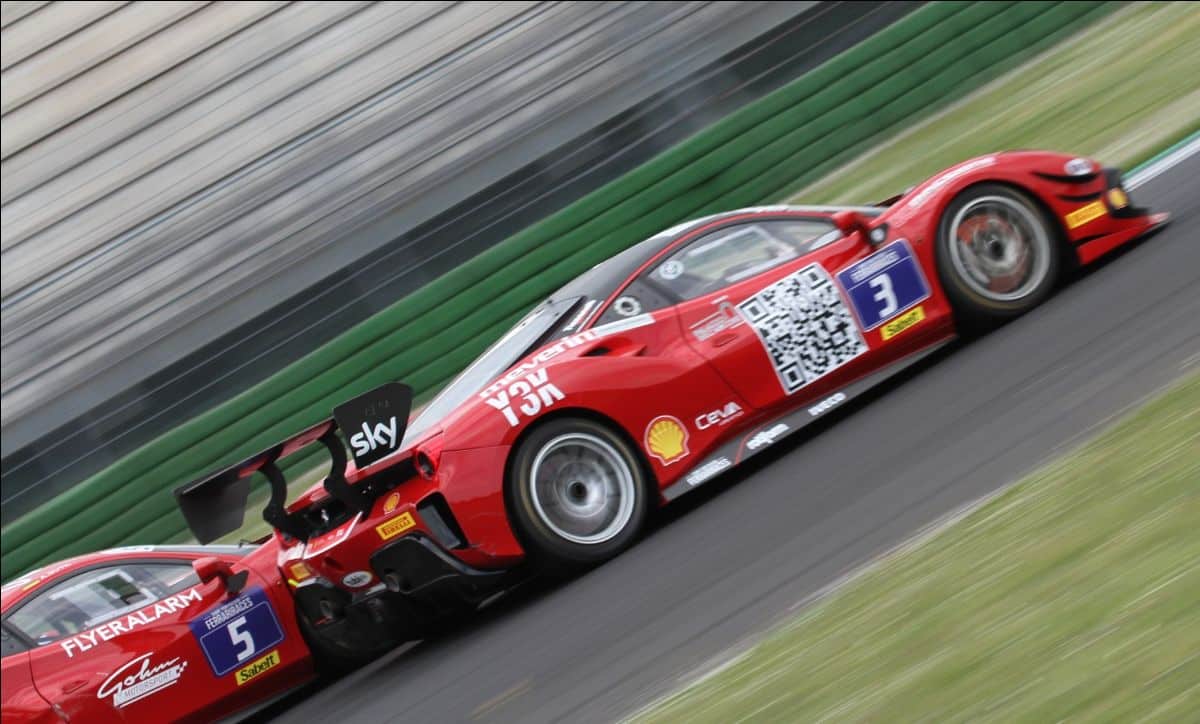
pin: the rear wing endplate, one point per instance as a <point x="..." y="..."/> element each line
<point x="215" y="504"/>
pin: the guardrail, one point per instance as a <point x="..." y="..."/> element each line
<point x="782" y="142"/>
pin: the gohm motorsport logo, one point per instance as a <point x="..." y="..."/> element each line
<point x="140" y="678"/>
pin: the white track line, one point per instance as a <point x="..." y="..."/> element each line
<point x="1164" y="164"/>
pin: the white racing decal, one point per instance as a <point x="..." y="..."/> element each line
<point x="768" y="436"/>
<point x="627" y="306"/>
<point x="382" y="436"/>
<point x="583" y="314"/>
<point x="148" y="615"/>
<point x="534" y="393"/>
<point x="708" y="470"/>
<point x="561" y="346"/>
<point x="139" y="679"/>
<point x="357" y="579"/>
<point x="805" y="326"/>
<point x="219" y="616"/>
<point x="945" y="179"/>
<point x="671" y="270"/>
<point x="34" y="578"/>
<point x="726" y="317"/>
<point x="719" y="417"/>
<point x="873" y="265"/>
<point x="827" y="404"/>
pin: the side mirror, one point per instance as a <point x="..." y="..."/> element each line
<point x="210" y="568"/>
<point x="848" y="222"/>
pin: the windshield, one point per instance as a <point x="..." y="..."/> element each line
<point x="499" y="357"/>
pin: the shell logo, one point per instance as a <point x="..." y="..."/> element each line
<point x="392" y="502"/>
<point x="666" y="439"/>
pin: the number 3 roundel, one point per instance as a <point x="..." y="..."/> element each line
<point x="884" y="284"/>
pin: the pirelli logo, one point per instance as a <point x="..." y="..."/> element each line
<point x="394" y="527"/>
<point x="257" y="667"/>
<point x="905" y="321"/>
<point x="1084" y="214"/>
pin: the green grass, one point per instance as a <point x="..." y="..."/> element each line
<point x="1120" y="91"/>
<point x="1073" y="596"/>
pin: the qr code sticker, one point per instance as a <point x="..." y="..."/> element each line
<point x="804" y="325"/>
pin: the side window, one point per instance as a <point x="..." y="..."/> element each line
<point x="637" y="298"/>
<point x="9" y="643"/>
<point x="88" y="599"/>
<point x="729" y="255"/>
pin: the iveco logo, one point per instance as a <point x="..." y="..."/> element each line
<point x="768" y="436"/>
<point x="827" y="404"/>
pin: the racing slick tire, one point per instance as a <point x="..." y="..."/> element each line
<point x="578" y="493"/>
<point x="337" y="658"/>
<point x="998" y="255"/>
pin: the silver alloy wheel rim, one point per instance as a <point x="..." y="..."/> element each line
<point x="582" y="488"/>
<point x="1011" y="236"/>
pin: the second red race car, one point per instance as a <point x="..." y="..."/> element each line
<point x="652" y="374"/>
<point x="150" y="634"/>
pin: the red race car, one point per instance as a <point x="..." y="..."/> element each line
<point x="653" y="373"/>
<point x="151" y="633"/>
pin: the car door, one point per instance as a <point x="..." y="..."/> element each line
<point x="761" y="300"/>
<point x="21" y="702"/>
<point x="147" y="641"/>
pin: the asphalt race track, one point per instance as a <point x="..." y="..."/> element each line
<point x="734" y="556"/>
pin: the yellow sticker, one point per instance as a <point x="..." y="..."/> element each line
<point x="666" y="439"/>
<point x="1084" y="214"/>
<point x="269" y="661"/>
<point x="392" y="502"/>
<point x="909" y="319"/>
<point x="395" y="526"/>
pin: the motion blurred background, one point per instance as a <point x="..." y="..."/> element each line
<point x="197" y="193"/>
<point x="222" y="218"/>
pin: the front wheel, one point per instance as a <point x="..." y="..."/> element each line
<point x="578" y="492"/>
<point x="998" y="255"/>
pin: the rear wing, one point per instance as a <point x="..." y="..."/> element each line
<point x="374" y="423"/>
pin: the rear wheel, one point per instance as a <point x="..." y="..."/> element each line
<point x="998" y="255"/>
<point x="578" y="492"/>
<point x="350" y="650"/>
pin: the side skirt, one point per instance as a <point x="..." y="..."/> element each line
<point x="740" y="449"/>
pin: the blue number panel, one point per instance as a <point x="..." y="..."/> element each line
<point x="875" y="299"/>
<point x="232" y="634"/>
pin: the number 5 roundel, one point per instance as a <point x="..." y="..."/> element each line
<point x="237" y="631"/>
<point x="884" y="284"/>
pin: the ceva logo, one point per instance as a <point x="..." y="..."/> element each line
<point x="718" y="417"/>
<point x="384" y="435"/>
